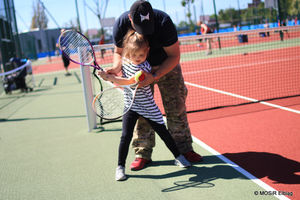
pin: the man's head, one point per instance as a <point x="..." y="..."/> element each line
<point x="141" y="17"/>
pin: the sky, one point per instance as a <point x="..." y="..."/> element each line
<point x="63" y="11"/>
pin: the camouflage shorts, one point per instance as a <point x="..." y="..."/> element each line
<point x="174" y="93"/>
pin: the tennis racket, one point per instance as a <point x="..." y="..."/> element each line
<point x="73" y="43"/>
<point x="114" y="102"/>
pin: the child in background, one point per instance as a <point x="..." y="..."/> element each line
<point x="136" y="49"/>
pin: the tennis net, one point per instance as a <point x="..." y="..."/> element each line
<point x="243" y="67"/>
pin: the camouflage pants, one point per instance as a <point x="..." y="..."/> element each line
<point x="174" y="93"/>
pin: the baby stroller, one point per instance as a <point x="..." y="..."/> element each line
<point x="16" y="80"/>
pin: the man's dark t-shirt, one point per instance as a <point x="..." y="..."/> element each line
<point x="164" y="35"/>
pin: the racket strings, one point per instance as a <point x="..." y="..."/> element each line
<point x="114" y="102"/>
<point x="74" y="43"/>
<point x="128" y="98"/>
<point x="108" y="108"/>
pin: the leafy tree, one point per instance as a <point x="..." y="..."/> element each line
<point x="72" y="24"/>
<point x="285" y="8"/>
<point x="39" y="19"/>
<point x="99" y="10"/>
<point x="187" y="3"/>
<point x="294" y="9"/>
<point x="229" y="15"/>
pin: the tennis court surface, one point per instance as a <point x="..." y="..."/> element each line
<point x="250" y="145"/>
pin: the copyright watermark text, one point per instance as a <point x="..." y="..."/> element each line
<point x="272" y="193"/>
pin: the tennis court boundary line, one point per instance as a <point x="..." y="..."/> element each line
<point x="240" y="66"/>
<point x="239" y="169"/>
<point x="243" y="97"/>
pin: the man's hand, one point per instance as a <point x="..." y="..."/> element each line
<point x="111" y="70"/>
<point x="105" y="76"/>
<point x="148" y="79"/>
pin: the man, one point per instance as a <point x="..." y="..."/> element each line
<point x="65" y="60"/>
<point x="164" y="56"/>
<point x="206" y="30"/>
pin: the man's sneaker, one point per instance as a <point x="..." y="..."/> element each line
<point x="193" y="157"/>
<point x="139" y="163"/>
<point x="120" y="173"/>
<point x="182" y="162"/>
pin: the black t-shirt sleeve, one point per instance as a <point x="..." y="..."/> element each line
<point x="120" y="29"/>
<point x="169" y="33"/>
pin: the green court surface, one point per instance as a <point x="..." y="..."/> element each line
<point x="236" y="50"/>
<point x="46" y="152"/>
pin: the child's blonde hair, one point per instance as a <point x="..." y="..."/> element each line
<point x="133" y="42"/>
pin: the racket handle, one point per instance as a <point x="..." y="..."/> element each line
<point x="98" y="68"/>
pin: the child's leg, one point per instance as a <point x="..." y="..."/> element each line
<point x="129" y="120"/>
<point x="164" y="134"/>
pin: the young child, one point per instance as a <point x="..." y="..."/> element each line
<point x="135" y="51"/>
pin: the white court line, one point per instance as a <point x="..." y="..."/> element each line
<point x="241" y="66"/>
<point x="243" y="97"/>
<point x="226" y="160"/>
<point x="239" y="169"/>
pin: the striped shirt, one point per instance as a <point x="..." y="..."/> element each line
<point x="143" y="103"/>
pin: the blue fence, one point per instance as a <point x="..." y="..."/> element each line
<point x="231" y="29"/>
<point x="245" y="28"/>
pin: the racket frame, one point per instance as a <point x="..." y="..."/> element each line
<point x="135" y="86"/>
<point x="95" y="64"/>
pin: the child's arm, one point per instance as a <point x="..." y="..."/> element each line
<point x="116" y="79"/>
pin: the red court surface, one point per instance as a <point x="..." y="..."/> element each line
<point x="262" y="140"/>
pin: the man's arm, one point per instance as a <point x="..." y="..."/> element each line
<point x="168" y="65"/>
<point x="117" y="61"/>
<point x="172" y="60"/>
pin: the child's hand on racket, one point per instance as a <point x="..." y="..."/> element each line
<point x="112" y="70"/>
<point x="106" y="76"/>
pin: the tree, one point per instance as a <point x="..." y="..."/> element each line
<point x="285" y="8"/>
<point x="100" y="10"/>
<point x="294" y="8"/>
<point x="187" y="3"/>
<point x="72" y="24"/>
<point x="39" y="19"/>
<point x="229" y="15"/>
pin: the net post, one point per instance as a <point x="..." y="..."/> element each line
<point x="88" y="93"/>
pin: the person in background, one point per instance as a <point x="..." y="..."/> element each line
<point x="206" y="30"/>
<point x="198" y="32"/>
<point x="164" y="56"/>
<point x="234" y="28"/>
<point x="65" y="60"/>
<point x="101" y="42"/>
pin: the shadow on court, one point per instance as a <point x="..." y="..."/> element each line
<point x="203" y="176"/>
<point x="40" y="118"/>
<point x="259" y="164"/>
<point x="262" y="164"/>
